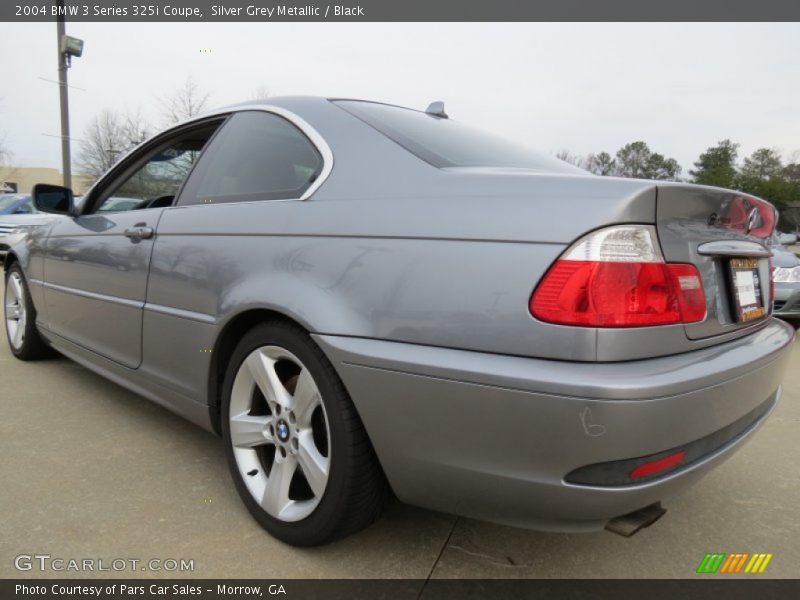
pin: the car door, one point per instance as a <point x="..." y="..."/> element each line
<point x="246" y="183"/>
<point x="96" y="264"/>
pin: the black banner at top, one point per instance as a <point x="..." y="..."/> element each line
<point x="263" y="11"/>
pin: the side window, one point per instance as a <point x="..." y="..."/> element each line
<point x="257" y="156"/>
<point x="156" y="182"/>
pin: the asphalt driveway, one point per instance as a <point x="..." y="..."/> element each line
<point x="90" y="470"/>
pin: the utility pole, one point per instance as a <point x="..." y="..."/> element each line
<point x="66" y="161"/>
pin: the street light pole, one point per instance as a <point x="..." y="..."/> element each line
<point x="66" y="162"/>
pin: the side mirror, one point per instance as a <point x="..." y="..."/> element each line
<point x="787" y="239"/>
<point x="53" y="199"/>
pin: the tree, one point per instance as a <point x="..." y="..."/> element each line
<point x="764" y="163"/>
<point x="791" y="172"/>
<point x="260" y="92"/>
<point x="763" y="174"/>
<point x="790" y="214"/>
<point x="6" y="171"/>
<point x="637" y="160"/>
<point x="601" y="163"/>
<point x="570" y="158"/>
<point x="4" y="153"/>
<point x="185" y="102"/>
<point x="5" y="159"/>
<point x="717" y="165"/>
<point x="632" y="160"/>
<point x="777" y="190"/>
<point x="107" y="138"/>
<point x="790" y="218"/>
<point x="665" y="169"/>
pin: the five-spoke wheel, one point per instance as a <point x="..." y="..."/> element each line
<point x="279" y="431"/>
<point x="23" y="337"/>
<point x="298" y="452"/>
<point x="16" y="313"/>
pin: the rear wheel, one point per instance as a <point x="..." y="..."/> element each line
<point x="20" y="316"/>
<point x="297" y="450"/>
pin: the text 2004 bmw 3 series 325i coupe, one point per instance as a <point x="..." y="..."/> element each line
<point x="362" y="298"/>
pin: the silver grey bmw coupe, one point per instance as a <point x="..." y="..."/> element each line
<point x="363" y="299"/>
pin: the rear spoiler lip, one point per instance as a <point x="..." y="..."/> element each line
<point x="733" y="248"/>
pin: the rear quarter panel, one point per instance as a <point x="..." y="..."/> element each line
<point x="442" y="292"/>
<point x="389" y="248"/>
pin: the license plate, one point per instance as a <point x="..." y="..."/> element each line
<point x="746" y="286"/>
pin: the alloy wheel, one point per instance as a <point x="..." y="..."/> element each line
<point x="280" y="433"/>
<point x="16" y="313"/>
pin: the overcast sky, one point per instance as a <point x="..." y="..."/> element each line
<point x="580" y="87"/>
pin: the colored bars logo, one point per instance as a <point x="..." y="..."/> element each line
<point x="741" y="562"/>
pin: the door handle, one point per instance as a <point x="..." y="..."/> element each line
<point x="139" y="233"/>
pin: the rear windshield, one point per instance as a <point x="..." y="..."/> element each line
<point x="446" y="143"/>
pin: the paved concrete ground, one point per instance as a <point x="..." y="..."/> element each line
<point x="90" y="470"/>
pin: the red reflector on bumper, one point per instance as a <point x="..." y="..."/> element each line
<point x="656" y="466"/>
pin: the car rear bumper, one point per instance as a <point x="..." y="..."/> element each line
<point x="493" y="437"/>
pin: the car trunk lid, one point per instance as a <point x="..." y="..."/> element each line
<point x="724" y="234"/>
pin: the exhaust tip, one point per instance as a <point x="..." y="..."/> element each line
<point x="627" y="525"/>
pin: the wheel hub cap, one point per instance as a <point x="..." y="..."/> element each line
<point x="283" y="431"/>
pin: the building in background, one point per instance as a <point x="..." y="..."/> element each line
<point x="22" y="179"/>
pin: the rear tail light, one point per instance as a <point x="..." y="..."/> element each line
<point x="617" y="277"/>
<point x="738" y="215"/>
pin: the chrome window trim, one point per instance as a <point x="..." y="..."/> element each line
<point x="312" y="134"/>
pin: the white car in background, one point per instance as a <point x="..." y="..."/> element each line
<point x="786" y="275"/>
<point x="14" y="226"/>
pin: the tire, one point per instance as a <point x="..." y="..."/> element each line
<point x="20" y="319"/>
<point x="297" y="450"/>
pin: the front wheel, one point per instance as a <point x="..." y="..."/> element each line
<point x="298" y="452"/>
<point x="20" y="316"/>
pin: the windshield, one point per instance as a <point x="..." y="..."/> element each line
<point x="445" y="143"/>
<point x="9" y="200"/>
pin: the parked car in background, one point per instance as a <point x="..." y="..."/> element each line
<point x="16" y="204"/>
<point x="358" y="296"/>
<point x="786" y="276"/>
<point x="13" y="227"/>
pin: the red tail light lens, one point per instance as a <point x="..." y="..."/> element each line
<point x="614" y="289"/>
<point x="689" y="290"/>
